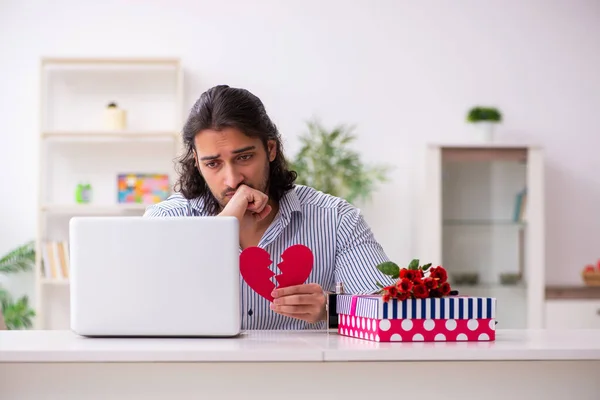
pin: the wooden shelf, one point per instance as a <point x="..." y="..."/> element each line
<point x="83" y="136"/>
<point x="107" y="64"/>
<point x="574" y="292"/>
<point x="54" y="281"/>
<point x="485" y="154"/>
<point x="92" y="208"/>
<point x="484" y="223"/>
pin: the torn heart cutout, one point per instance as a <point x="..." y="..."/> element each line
<point x="296" y="266"/>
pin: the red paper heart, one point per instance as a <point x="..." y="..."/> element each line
<point x="296" y="266"/>
<point x="254" y="266"/>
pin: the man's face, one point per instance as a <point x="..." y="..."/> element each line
<point x="228" y="158"/>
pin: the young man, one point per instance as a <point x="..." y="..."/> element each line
<point x="234" y="165"/>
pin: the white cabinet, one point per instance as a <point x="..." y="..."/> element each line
<point x="482" y="218"/>
<point x="573" y="314"/>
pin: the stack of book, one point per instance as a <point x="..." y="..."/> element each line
<point x="55" y="259"/>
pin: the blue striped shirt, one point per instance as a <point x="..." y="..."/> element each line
<point x="342" y="243"/>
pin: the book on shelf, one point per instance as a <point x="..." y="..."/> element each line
<point x="520" y="211"/>
<point x="55" y="259"/>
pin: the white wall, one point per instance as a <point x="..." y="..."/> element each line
<point x="405" y="72"/>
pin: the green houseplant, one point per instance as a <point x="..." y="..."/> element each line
<point x="485" y="118"/>
<point x="488" y="114"/>
<point x="327" y="163"/>
<point x="17" y="312"/>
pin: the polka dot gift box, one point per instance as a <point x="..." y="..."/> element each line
<point x="417" y="307"/>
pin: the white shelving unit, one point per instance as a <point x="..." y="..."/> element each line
<point x="77" y="146"/>
<point x="471" y="223"/>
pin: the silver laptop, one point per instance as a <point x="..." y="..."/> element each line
<point x="158" y="277"/>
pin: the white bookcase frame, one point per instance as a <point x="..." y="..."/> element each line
<point x="431" y="223"/>
<point x="73" y="92"/>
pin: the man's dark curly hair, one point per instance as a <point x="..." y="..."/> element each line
<point x="226" y="107"/>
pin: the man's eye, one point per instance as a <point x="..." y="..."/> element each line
<point x="211" y="164"/>
<point x="246" y="157"/>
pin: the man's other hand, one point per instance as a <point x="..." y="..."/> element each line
<point x="305" y="302"/>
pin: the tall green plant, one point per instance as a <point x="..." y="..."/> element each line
<point x="327" y="163"/>
<point x="17" y="312"/>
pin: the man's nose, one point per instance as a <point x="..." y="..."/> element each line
<point x="233" y="177"/>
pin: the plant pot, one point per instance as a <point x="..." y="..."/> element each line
<point x="485" y="131"/>
<point x="510" y="278"/>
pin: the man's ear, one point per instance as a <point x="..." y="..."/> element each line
<point x="272" y="149"/>
<point x="195" y="159"/>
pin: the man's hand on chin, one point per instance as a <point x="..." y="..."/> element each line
<point x="247" y="204"/>
<point x="306" y="302"/>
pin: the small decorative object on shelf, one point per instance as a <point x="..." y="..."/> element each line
<point x="485" y="118"/>
<point x="419" y="306"/>
<point x="115" y="117"/>
<point x="143" y="188"/>
<point x="591" y="274"/>
<point x="465" y="278"/>
<point x="83" y="193"/>
<point x="510" y="278"/>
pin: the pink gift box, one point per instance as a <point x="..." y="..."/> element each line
<point x="447" y="319"/>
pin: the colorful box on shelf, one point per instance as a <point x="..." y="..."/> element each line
<point x="446" y="319"/>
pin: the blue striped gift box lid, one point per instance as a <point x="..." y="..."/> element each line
<point x="453" y="307"/>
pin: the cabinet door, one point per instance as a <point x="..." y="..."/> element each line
<point x="573" y="314"/>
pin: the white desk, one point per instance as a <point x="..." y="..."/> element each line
<point x="298" y="365"/>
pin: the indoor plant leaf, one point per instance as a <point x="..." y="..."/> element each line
<point x="326" y="162"/>
<point x="17" y="314"/>
<point x="19" y="259"/>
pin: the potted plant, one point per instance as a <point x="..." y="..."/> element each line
<point x="327" y="163"/>
<point x="485" y="118"/>
<point x="16" y="313"/>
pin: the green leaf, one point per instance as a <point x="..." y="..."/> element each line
<point x="379" y="284"/>
<point x="328" y="162"/>
<point x="17" y="314"/>
<point x="20" y="259"/>
<point x="414" y="264"/>
<point x="389" y="268"/>
<point x="426" y="267"/>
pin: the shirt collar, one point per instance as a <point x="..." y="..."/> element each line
<point x="289" y="204"/>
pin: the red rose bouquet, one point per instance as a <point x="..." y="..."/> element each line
<point x="414" y="282"/>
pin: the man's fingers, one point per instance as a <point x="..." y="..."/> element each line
<point x="297" y="299"/>
<point x="304" y="317"/>
<point x="256" y="199"/>
<point x="261" y="215"/>
<point x="309" y="288"/>
<point x="299" y="309"/>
